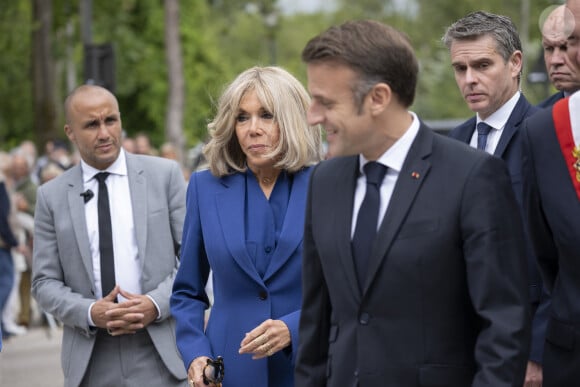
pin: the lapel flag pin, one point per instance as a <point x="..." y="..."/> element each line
<point x="415" y="175"/>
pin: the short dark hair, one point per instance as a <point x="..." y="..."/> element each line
<point x="501" y="28"/>
<point x="376" y="51"/>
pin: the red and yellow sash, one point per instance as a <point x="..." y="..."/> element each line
<point x="571" y="152"/>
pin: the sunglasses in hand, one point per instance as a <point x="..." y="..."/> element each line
<point x="213" y="371"/>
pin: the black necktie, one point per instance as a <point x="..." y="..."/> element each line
<point x="367" y="219"/>
<point x="105" y="236"/>
<point x="483" y="130"/>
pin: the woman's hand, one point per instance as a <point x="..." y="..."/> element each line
<point x="266" y="339"/>
<point x="195" y="372"/>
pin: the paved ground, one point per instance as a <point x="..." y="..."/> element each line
<point x="32" y="359"/>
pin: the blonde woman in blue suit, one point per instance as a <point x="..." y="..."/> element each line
<point x="244" y="221"/>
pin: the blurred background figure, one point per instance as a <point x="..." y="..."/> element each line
<point x="16" y="315"/>
<point x="195" y="157"/>
<point x="50" y="171"/>
<point x="28" y="150"/>
<point x="61" y="154"/>
<point x="9" y="244"/>
<point x="128" y="143"/>
<point x="56" y="151"/>
<point x="143" y="145"/>
<point x="25" y="200"/>
<point x="169" y="151"/>
<point x="23" y="184"/>
<point x="43" y="159"/>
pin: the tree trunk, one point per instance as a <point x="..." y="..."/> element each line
<point x="43" y="75"/>
<point x="175" y="100"/>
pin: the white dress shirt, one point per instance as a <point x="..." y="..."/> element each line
<point x="127" y="262"/>
<point x="574" y="107"/>
<point x="497" y="121"/>
<point x="393" y="159"/>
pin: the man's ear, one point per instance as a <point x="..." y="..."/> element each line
<point x="516" y="62"/>
<point x="69" y="132"/>
<point x="380" y="98"/>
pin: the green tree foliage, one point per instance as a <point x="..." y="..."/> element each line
<point x="135" y="28"/>
<point x="15" y="86"/>
<point x="425" y="23"/>
<point x="137" y="32"/>
<point x="438" y="95"/>
<point x="221" y="38"/>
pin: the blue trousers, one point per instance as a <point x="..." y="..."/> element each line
<point x="6" y="277"/>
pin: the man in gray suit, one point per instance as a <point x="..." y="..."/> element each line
<point x="118" y="330"/>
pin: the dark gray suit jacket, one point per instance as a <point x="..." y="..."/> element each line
<point x="445" y="300"/>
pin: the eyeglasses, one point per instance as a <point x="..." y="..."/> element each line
<point x="216" y="371"/>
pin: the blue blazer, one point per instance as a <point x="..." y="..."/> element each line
<point x="214" y="237"/>
<point x="509" y="149"/>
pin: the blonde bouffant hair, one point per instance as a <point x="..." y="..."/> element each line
<point x="286" y="99"/>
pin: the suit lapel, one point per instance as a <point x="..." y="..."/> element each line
<point x="77" y="214"/>
<point x="465" y="131"/>
<point x="513" y="122"/>
<point x="341" y="222"/>
<point x="229" y="205"/>
<point x="293" y="227"/>
<point x="411" y="177"/>
<point x="138" y="189"/>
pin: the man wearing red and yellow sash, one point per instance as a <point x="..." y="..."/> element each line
<point x="551" y="170"/>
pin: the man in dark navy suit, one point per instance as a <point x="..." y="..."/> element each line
<point x="434" y="291"/>
<point x="487" y="59"/>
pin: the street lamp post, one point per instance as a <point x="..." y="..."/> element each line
<point x="269" y="14"/>
<point x="271" y="22"/>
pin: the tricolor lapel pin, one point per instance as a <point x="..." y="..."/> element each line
<point x="415" y="175"/>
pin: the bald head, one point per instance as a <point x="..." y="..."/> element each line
<point x="84" y="90"/>
<point x="573" y="4"/>
<point x="20" y="168"/>
<point x="93" y="124"/>
<point x="559" y="24"/>
<point x="574" y="40"/>
<point x="574" y="7"/>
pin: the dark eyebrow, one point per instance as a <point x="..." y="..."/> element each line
<point x="91" y="122"/>
<point x="473" y="63"/>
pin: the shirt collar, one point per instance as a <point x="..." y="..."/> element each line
<point x="119" y="167"/>
<point x="499" y="118"/>
<point x="395" y="156"/>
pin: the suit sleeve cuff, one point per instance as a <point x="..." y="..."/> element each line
<point x="156" y="307"/>
<point x="89" y="318"/>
